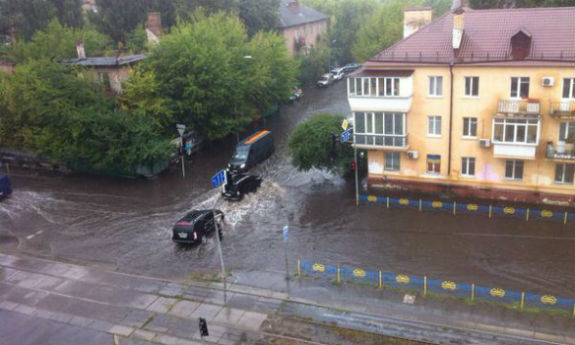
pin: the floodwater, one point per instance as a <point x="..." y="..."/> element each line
<point x="127" y="223"/>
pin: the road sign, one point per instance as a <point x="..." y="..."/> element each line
<point x="285" y="233"/>
<point x="219" y="179"/>
<point x="345" y="135"/>
<point x="181" y="129"/>
<point x="344" y="125"/>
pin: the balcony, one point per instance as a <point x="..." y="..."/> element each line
<point x="563" y="153"/>
<point x="381" y="141"/>
<point x="515" y="137"/>
<point x="519" y="106"/>
<point x="563" y="110"/>
<point x="381" y="91"/>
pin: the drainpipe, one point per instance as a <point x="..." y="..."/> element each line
<point x="450" y="118"/>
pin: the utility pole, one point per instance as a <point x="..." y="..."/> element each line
<point x="220" y="253"/>
<point x="356" y="177"/>
<point x="181" y="129"/>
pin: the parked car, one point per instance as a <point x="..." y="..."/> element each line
<point x="337" y="74"/>
<point x="195" y="225"/>
<point x="325" y="80"/>
<point x="350" y="67"/>
<point x="240" y="184"/>
<point x="251" y="151"/>
<point x="296" y="94"/>
<point x="5" y="186"/>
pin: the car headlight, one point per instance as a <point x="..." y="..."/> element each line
<point x="242" y="166"/>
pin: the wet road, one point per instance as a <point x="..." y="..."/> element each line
<point x="127" y="223"/>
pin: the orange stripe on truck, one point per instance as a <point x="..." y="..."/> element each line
<point x="256" y="137"/>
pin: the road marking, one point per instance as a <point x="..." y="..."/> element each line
<point x="514" y="236"/>
<point x="29" y="237"/>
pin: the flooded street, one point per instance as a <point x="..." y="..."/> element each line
<point x="127" y="223"/>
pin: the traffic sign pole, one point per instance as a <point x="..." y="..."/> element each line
<point x="220" y="179"/>
<point x="285" y="236"/>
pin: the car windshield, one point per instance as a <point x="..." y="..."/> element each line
<point x="241" y="152"/>
<point x="324" y="78"/>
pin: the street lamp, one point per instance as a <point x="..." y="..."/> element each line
<point x="181" y="129"/>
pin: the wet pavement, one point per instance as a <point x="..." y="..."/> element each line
<point x="126" y="224"/>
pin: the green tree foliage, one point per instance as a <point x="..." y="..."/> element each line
<point x="312" y="145"/>
<point x="57" y="43"/>
<point x="49" y="110"/>
<point x="69" y="12"/>
<point x="22" y="18"/>
<point x="314" y="64"/>
<point x="482" y="4"/>
<point x="259" y="14"/>
<point x="212" y="78"/>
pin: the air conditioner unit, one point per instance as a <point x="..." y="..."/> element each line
<point x="412" y="154"/>
<point x="484" y="142"/>
<point x="548" y="81"/>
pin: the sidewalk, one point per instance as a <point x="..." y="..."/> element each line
<point x="51" y="302"/>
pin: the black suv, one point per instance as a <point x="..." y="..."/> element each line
<point x="240" y="184"/>
<point x="195" y="225"/>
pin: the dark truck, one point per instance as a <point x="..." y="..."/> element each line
<point x="5" y="187"/>
<point x="251" y="151"/>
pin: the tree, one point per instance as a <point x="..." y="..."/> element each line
<point x="314" y="64"/>
<point x="259" y="15"/>
<point x="69" y="12"/>
<point x="22" y="18"/>
<point x="315" y="144"/>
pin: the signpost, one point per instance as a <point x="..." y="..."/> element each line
<point x="345" y="135"/>
<point x="220" y="179"/>
<point x="344" y="125"/>
<point x="181" y="129"/>
<point x="285" y="236"/>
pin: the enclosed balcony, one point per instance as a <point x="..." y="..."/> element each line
<point x="519" y="106"/>
<point x="562" y="110"/>
<point x="380" y="90"/>
<point x="380" y="130"/>
<point x="515" y="137"/>
<point x="561" y="151"/>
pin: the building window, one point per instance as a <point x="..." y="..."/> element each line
<point x="392" y="161"/>
<point x="468" y="166"/>
<point x="514" y="170"/>
<point x="435" y="86"/>
<point x="372" y="86"/>
<point x="470" y="127"/>
<point x="566" y="130"/>
<point x="380" y="129"/>
<point x="515" y="131"/>
<point x="520" y="87"/>
<point x="472" y="86"/>
<point x="434" y="126"/>
<point x="569" y="88"/>
<point x="564" y="173"/>
<point x="433" y="164"/>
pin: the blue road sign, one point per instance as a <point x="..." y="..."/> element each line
<point x="285" y="233"/>
<point x="219" y="179"/>
<point x="345" y="135"/>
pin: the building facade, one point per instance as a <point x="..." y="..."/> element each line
<point x="479" y="103"/>
<point x="300" y="26"/>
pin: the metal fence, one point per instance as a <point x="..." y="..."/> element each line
<point x="378" y="278"/>
<point x="455" y="207"/>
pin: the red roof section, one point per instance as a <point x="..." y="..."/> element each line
<point x="487" y="39"/>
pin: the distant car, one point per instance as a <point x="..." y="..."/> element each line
<point x="350" y="67"/>
<point x="325" y="80"/>
<point x="337" y="74"/>
<point x="240" y="184"/>
<point x="195" y="225"/>
<point x="296" y="94"/>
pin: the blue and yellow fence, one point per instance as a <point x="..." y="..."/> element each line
<point x="455" y="207"/>
<point x="516" y="299"/>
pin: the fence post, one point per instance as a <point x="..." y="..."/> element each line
<point x="424" y="286"/>
<point x="527" y="215"/>
<point x="387" y="202"/>
<point x="522" y="300"/>
<point x="419" y="205"/>
<point x="299" y="267"/>
<point x="338" y="274"/>
<point x="472" y="291"/>
<point x="380" y="279"/>
<point x="489" y="211"/>
<point x="565" y="218"/>
<point x="454" y="207"/>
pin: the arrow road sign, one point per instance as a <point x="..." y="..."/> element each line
<point x="219" y="179"/>
<point x="345" y="135"/>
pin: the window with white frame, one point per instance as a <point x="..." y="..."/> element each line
<point x="472" y="86"/>
<point x="435" y="86"/>
<point x="514" y="169"/>
<point x="433" y="164"/>
<point x="515" y="131"/>
<point x="434" y="126"/>
<point x="380" y="129"/>
<point x="568" y="88"/>
<point x="392" y="161"/>
<point x="470" y="127"/>
<point x="373" y="86"/>
<point x="566" y="130"/>
<point x="564" y="173"/>
<point x="468" y="166"/>
<point x="519" y="87"/>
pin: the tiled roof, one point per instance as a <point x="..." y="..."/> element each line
<point x="105" y="60"/>
<point x="298" y="14"/>
<point x="487" y="39"/>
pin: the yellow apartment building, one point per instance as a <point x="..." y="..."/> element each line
<point x="479" y="103"/>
